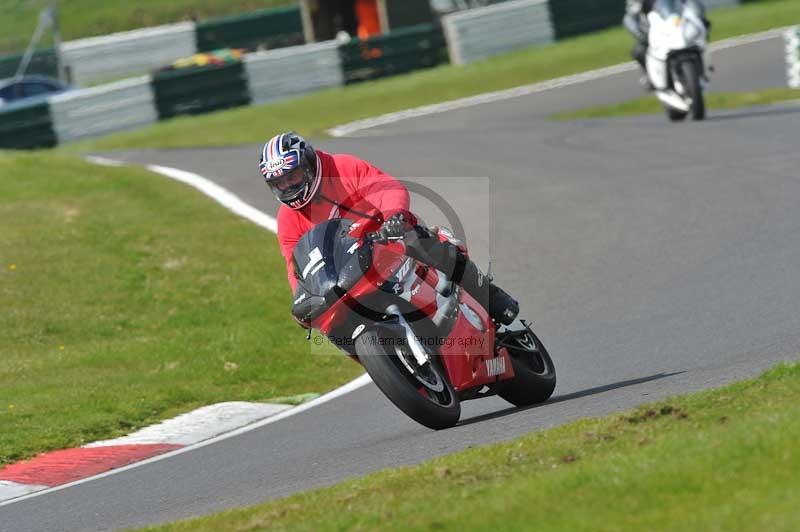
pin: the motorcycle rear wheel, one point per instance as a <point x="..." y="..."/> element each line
<point x="427" y="397"/>
<point x="534" y="373"/>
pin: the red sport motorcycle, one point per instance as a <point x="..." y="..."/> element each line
<point x="426" y="343"/>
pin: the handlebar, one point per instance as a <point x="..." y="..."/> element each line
<point x="378" y="239"/>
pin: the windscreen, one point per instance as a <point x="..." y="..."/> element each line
<point x="327" y="258"/>
<point x="667" y="8"/>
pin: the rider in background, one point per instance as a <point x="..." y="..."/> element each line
<point x="314" y="186"/>
<point x="635" y="21"/>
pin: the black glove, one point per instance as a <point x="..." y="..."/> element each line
<point x="395" y="226"/>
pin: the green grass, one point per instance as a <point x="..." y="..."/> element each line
<point x="87" y="18"/>
<point x="129" y="298"/>
<point x="315" y="113"/>
<point x="714" y="100"/>
<point x="721" y="460"/>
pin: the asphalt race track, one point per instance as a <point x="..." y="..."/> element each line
<point x="653" y="258"/>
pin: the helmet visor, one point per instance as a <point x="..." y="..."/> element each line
<point x="289" y="185"/>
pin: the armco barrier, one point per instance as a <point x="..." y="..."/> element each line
<point x="396" y="52"/>
<point x="26" y="125"/>
<point x="197" y="90"/>
<point x="129" y="53"/>
<point x="259" y="30"/>
<point x="100" y="110"/>
<point x="792" y="38"/>
<point x="281" y="74"/>
<point x="576" y="17"/>
<point x="485" y="31"/>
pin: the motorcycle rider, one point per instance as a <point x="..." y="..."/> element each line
<point x="314" y="186"/>
<point x="635" y="21"/>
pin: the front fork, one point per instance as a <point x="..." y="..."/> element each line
<point x="421" y="355"/>
<point x="700" y="60"/>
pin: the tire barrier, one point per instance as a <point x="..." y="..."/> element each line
<point x="26" y="125"/>
<point x="119" y="106"/>
<point x="485" y="31"/>
<point x="397" y="52"/>
<point x="197" y="90"/>
<point x="576" y="17"/>
<point x="792" y="39"/>
<point x="43" y="62"/>
<point x="300" y="69"/>
<point x="260" y="30"/>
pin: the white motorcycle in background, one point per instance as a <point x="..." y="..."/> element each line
<point x="677" y="57"/>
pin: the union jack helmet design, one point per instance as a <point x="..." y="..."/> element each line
<point x="291" y="168"/>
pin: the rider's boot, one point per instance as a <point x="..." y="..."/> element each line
<point x="461" y="270"/>
<point x="639" y="53"/>
<point x="502" y="307"/>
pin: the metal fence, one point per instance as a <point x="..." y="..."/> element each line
<point x="287" y="72"/>
<point x="486" y="31"/>
<point x="98" y="111"/>
<point x="26" y="125"/>
<point x="129" y="53"/>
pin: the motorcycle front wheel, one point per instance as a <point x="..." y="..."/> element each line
<point x="423" y="393"/>
<point x="675" y="115"/>
<point x="691" y="80"/>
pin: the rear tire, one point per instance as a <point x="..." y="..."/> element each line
<point x="534" y="373"/>
<point x="691" y="80"/>
<point x="435" y="410"/>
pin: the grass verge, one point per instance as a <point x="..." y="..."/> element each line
<point x="87" y="18"/>
<point x="718" y="460"/>
<point x="315" y="113"/>
<point x="130" y="298"/>
<point x="714" y="100"/>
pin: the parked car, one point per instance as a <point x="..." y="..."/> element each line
<point x="14" y="89"/>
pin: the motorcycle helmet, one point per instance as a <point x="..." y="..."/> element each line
<point x="291" y="168"/>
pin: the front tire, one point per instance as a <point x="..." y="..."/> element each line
<point x="674" y="115"/>
<point x="427" y="397"/>
<point x="534" y="373"/>
<point x="691" y="80"/>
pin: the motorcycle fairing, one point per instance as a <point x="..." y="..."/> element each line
<point x="327" y="263"/>
<point x="471" y="359"/>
